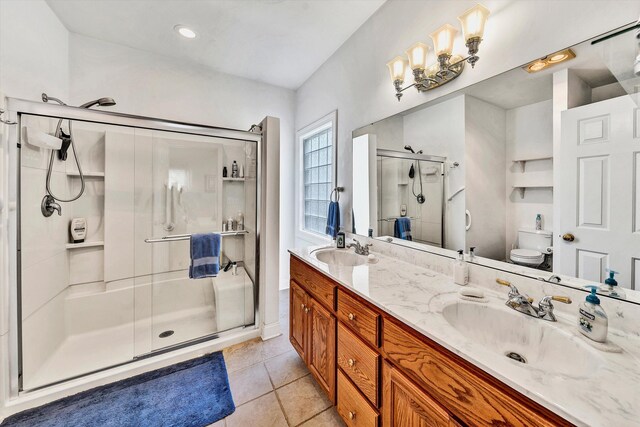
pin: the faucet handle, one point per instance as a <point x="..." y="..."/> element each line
<point x="548" y="298"/>
<point x="514" y="291"/>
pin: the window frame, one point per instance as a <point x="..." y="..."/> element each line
<point x="328" y="121"/>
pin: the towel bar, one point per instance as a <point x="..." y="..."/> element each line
<point x="177" y="237"/>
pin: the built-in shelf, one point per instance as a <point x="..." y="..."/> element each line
<point x="522" y="162"/>
<point x="233" y="179"/>
<point x="523" y="188"/>
<point x="86" y="174"/>
<point x="84" y="245"/>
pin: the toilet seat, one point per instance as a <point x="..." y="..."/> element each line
<point x="526" y="257"/>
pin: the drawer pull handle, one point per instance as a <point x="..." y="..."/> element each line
<point x="306" y="309"/>
<point x="351" y="362"/>
<point x="302" y="306"/>
<point x="352" y="415"/>
<point x="351" y="316"/>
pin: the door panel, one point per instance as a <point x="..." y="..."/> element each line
<point x="593" y="189"/>
<point x="322" y="347"/>
<point x="592" y="265"/>
<point x="298" y="319"/>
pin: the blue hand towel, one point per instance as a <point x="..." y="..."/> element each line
<point x="205" y="255"/>
<point x="333" y="219"/>
<point x="402" y="228"/>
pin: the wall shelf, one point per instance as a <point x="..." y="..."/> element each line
<point x="233" y="179"/>
<point x="523" y="161"/>
<point x="523" y="188"/>
<point x="84" y="245"/>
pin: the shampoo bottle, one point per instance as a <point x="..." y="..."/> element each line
<point x="538" y="222"/>
<point x="592" y="320"/>
<point x="460" y="270"/>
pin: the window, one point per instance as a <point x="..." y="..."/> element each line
<point x="317" y="149"/>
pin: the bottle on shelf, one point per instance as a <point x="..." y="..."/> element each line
<point x="224" y="172"/>
<point x="239" y="221"/>
<point x="234" y="170"/>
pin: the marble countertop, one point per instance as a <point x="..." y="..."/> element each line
<point x="605" y="393"/>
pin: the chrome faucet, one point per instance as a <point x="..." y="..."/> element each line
<point x="360" y="249"/>
<point x="524" y="304"/>
<point x="49" y="205"/>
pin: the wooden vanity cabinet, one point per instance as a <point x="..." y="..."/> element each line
<point x="381" y="373"/>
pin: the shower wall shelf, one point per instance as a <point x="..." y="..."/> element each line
<point x="84" y="245"/>
<point x="76" y="174"/>
<point x="233" y="179"/>
<point x="523" y="162"/>
<point x="523" y="188"/>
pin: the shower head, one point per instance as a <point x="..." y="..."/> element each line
<point x="101" y="102"/>
<point x="408" y="147"/>
<point x="47" y="98"/>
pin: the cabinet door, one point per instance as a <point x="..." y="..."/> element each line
<point x="406" y="405"/>
<point x="298" y="310"/>
<point x="322" y="347"/>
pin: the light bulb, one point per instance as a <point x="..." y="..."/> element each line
<point x="397" y="68"/>
<point x="418" y="56"/>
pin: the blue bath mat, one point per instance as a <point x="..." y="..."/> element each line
<point x="194" y="393"/>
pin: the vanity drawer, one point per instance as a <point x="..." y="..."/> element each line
<point x="361" y="319"/>
<point x="353" y="407"/>
<point x="316" y="284"/>
<point x="472" y="395"/>
<point x="360" y="363"/>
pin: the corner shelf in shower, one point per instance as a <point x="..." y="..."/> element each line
<point x="84" y="245"/>
<point x="233" y="179"/>
<point x="86" y="174"/>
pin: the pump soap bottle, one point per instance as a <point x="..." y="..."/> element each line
<point x="592" y="320"/>
<point x="610" y="287"/>
<point x="460" y="270"/>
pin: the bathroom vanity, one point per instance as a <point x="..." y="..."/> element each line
<point x="377" y="339"/>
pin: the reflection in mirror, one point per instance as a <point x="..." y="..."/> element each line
<point x="536" y="169"/>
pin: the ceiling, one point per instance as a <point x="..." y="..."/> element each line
<point x="281" y="42"/>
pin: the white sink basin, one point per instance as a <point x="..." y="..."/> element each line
<point x="511" y="334"/>
<point x="343" y="257"/>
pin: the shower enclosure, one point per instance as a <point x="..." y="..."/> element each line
<point x="124" y="292"/>
<point x="411" y="185"/>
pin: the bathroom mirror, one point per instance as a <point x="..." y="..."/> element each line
<point x="537" y="168"/>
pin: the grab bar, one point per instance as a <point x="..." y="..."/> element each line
<point x="178" y="237"/>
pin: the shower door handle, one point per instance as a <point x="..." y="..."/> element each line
<point x="467" y="224"/>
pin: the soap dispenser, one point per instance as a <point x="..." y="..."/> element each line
<point x="592" y="320"/>
<point x="610" y="287"/>
<point x="460" y="270"/>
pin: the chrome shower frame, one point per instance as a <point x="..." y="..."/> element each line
<point x="18" y="107"/>
<point x="406" y="155"/>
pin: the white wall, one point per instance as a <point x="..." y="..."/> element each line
<point x="485" y="181"/>
<point x="529" y="135"/>
<point x="355" y="80"/>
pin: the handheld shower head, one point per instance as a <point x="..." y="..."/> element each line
<point x="408" y="147"/>
<point x="101" y="102"/>
<point x="47" y="98"/>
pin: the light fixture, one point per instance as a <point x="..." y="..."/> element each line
<point x="448" y="66"/>
<point x="185" y="32"/>
<point x="549" y="60"/>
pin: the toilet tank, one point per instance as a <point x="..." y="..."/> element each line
<point x="538" y="240"/>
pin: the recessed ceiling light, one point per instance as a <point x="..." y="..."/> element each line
<point x="549" y="60"/>
<point x="185" y="32"/>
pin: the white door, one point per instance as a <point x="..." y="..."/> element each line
<point x="598" y="191"/>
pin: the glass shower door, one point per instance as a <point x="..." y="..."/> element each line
<point x="182" y="190"/>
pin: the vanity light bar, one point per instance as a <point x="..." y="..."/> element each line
<point x="549" y="60"/>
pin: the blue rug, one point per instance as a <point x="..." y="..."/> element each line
<point x="194" y="393"/>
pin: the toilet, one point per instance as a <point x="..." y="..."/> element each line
<point x="533" y="246"/>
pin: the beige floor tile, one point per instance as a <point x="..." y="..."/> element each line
<point x="262" y="412"/>
<point x="249" y="383"/>
<point x="243" y="355"/>
<point x="328" y="418"/>
<point x="302" y="400"/>
<point x="276" y="346"/>
<point x="285" y="368"/>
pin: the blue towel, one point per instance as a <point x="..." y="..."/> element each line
<point x="333" y="219"/>
<point x="402" y="228"/>
<point x="205" y="255"/>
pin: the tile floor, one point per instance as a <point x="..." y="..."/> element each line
<point x="272" y="387"/>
